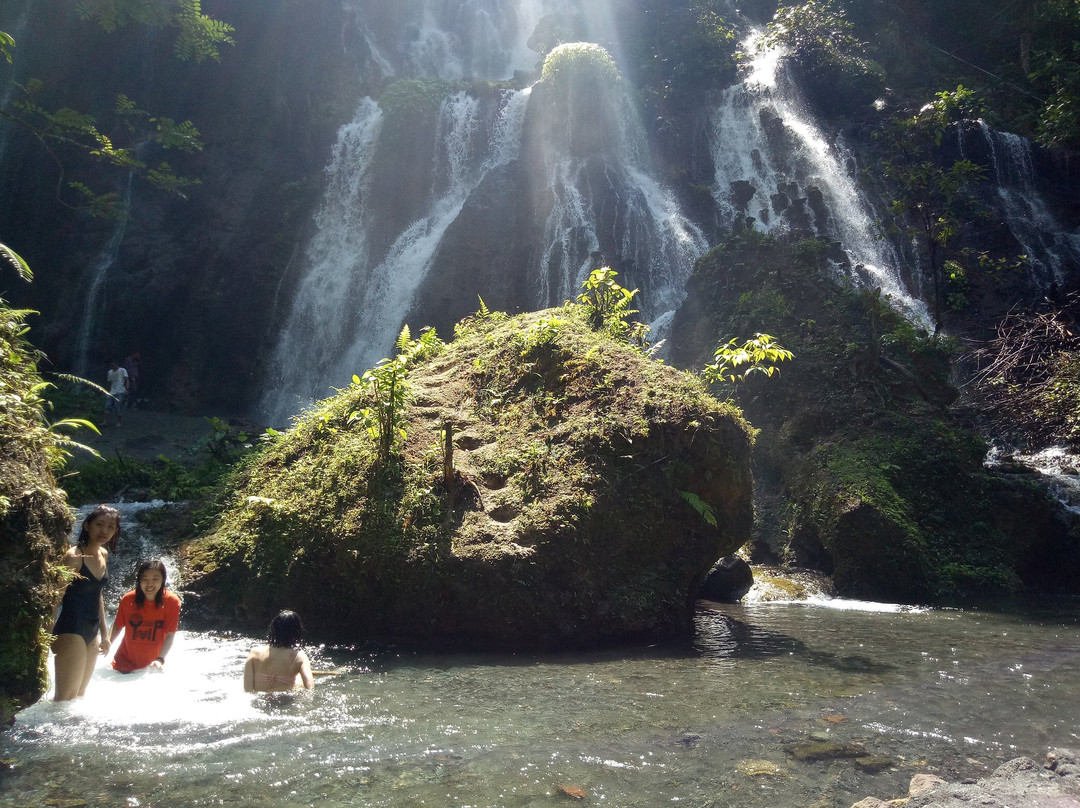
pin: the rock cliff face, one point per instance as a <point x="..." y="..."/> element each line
<point x="863" y="469"/>
<point x="34" y="523"/>
<point x="566" y="522"/>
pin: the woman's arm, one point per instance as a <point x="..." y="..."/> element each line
<point x="165" y="648"/>
<point x="305" y="671"/>
<point x="249" y="674"/>
<point x="103" y="646"/>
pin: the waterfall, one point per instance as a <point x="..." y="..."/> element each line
<point x="1048" y="246"/>
<point x="89" y="326"/>
<point x="8" y="91"/>
<point x="364" y="267"/>
<point x="773" y="164"/>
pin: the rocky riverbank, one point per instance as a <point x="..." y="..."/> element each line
<point x="1020" y="783"/>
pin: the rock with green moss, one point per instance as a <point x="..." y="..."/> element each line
<point x="34" y="522"/>
<point x="563" y="521"/>
<point x="863" y="470"/>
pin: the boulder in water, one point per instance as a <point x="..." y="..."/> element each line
<point x="728" y="581"/>
<point x="564" y="522"/>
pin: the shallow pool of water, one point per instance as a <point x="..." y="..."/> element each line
<point x="949" y="692"/>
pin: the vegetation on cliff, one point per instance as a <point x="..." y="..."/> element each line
<point x="34" y="517"/>
<point x="562" y="516"/>
<point x="862" y="470"/>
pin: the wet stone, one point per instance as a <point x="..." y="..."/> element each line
<point x="824" y="750"/>
<point x="873" y="764"/>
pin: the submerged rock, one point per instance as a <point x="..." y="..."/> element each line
<point x="825" y="750"/>
<point x="564" y="521"/>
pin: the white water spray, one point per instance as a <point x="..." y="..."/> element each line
<point x="764" y="141"/>
<point x="1049" y="248"/>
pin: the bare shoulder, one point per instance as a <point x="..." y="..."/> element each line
<point x="73" y="558"/>
<point x="258" y="654"/>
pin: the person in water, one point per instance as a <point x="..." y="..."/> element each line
<point x="81" y="618"/>
<point x="276" y="666"/>
<point x="148" y="617"/>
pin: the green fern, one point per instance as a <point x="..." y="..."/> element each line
<point x="22" y="269"/>
<point x="703" y="508"/>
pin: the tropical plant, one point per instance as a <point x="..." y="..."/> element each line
<point x="199" y="37"/>
<point x="22" y="389"/>
<point x="734" y="362"/>
<point x="813" y="29"/>
<point x="935" y="198"/>
<point x="703" y="508"/>
<point x="388" y="391"/>
<point x="607" y="306"/>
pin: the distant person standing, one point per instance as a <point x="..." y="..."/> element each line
<point x="117" y="385"/>
<point x="133" y="366"/>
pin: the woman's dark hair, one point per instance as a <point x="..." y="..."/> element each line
<point x="150" y="564"/>
<point x="286" y="630"/>
<point x="99" y="512"/>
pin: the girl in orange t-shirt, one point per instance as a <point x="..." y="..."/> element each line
<point x="148" y="616"/>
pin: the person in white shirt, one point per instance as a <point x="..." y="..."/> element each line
<point x="117" y="385"/>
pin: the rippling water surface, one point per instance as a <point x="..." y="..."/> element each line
<point x="955" y="692"/>
<point x="950" y="692"/>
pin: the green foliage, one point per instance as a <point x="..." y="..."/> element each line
<point x="682" y="51"/>
<point x="7" y="46"/>
<point x="605" y="299"/>
<point x="935" y="199"/>
<point x="406" y="100"/>
<point x="69" y="128"/>
<point x="703" y="508"/>
<point x="735" y="362"/>
<point x="573" y="61"/>
<point x="1059" y="120"/>
<point x="607" y="307"/>
<point x="63" y="129"/>
<point x="198" y="36"/>
<point x="387" y="391"/>
<point x="814" y="29"/>
<point x="34" y="518"/>
<point x="22" y="269"/>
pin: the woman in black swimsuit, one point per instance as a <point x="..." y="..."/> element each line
<point x="82" y="611"/>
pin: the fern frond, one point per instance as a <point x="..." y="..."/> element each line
<point x="403" y="340"/>
<point x="16" y="261"/>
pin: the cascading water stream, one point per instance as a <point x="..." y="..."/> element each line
<point x="775" y="165"/>
<point x="604" y="200"/>
<point x="95" y="296"/>
<point x="351" y="303"/>
<point x="1049" y="247"/>
<point x="347" y="312"/>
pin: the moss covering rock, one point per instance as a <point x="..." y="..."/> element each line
<point x="566" y="518"/>
<point x="863" y="470"/>
<point x="34" y="522"/>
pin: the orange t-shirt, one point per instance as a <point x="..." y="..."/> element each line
<point x="145" y="628"/>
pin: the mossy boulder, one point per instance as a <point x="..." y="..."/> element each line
<point x="575" y="461"/>
<point x="863" y="470"/>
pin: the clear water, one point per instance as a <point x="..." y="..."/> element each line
<point x="951" y="692"/>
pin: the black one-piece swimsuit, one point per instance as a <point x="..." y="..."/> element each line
<point x="79" y="610"/>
